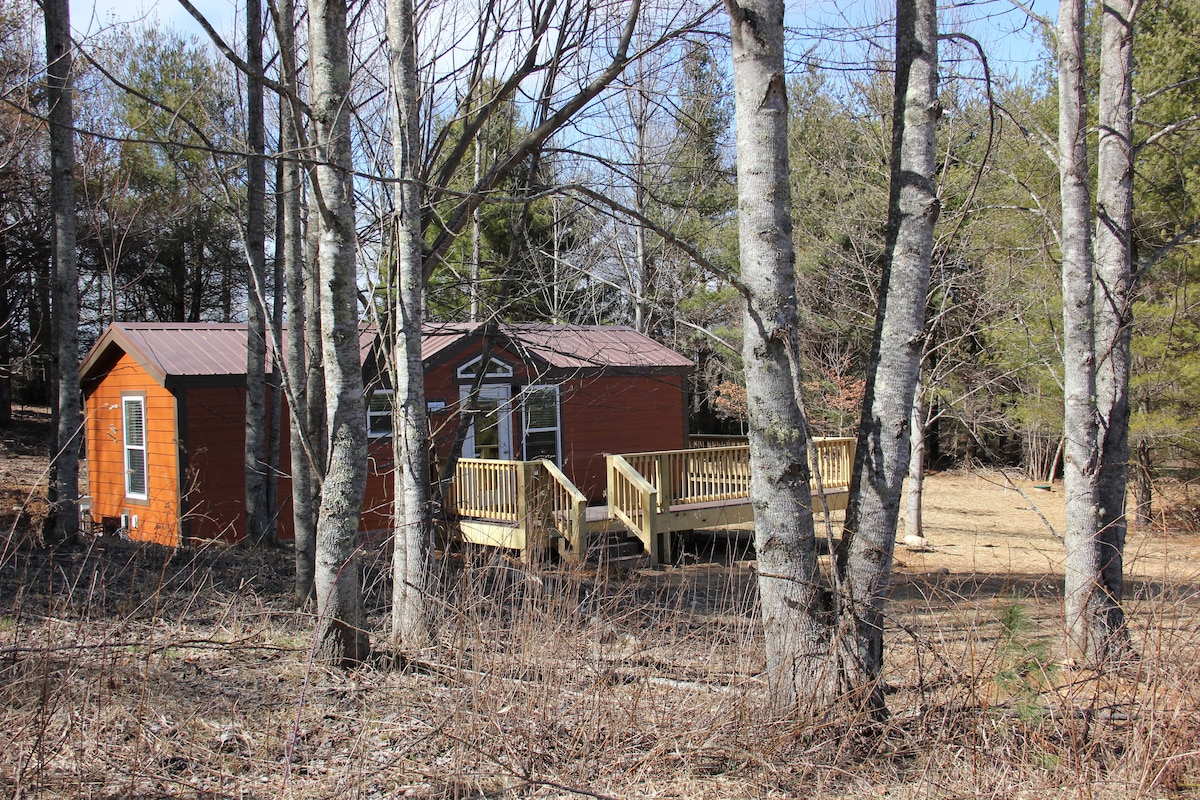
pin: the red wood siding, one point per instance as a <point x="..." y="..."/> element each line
<point x="157" y="516"/>
<point x="599" y="415"/>
<point x="621" y="414"/>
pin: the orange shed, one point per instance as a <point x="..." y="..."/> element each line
<point x="165" y="415"/>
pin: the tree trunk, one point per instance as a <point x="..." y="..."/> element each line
<point x="341" y="621"/>
<point x="257" y="511"/>
<point x="64" y="483"/>
<point x="303" y="314"/>
<point x="1142" y="487"/>
<point x="796" y="607"/>
<point x="1087" y="602"/>
<point x="864" y="556"/>
<point x="412" y="567"/>
<point x="1114" y="305"/>
<point x="914" y="530"/>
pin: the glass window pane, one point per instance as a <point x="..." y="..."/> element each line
<point x="541" y="409"/>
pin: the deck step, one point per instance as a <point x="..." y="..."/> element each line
<point x="613" y="546"/>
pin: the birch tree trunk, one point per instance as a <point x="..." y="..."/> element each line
<point x="1086" y="601"/>
<point x="341" y="632"/>
<point x="1114" y="305"/>
<point x="64" y="485"/>
<point x="257" y="512"/>
<point x="914" y="529"/>
<point x="865" y="553"/>
<point x="303" y="315"/>
<point x="796" y="607"/>
<point x="412" y="567"/>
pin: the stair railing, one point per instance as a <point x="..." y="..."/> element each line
<point x="634" y="501"/>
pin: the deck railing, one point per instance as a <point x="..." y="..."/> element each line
<point x="533" y="495"/>
<point x="716" y="474"/>
<point x="490" y="489"/>
<point x="537" y="497"/>
<point x="834" y="456"/>
<point x="634" y="501"/>
<point x="566" y="508"/>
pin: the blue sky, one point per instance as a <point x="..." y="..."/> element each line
<point x="91" y="16"/>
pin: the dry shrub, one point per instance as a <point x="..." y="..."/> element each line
<point x="131" y="671"/>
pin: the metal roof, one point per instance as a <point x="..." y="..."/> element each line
<point x="201" y="350"/>
<point x="564" y="346"/>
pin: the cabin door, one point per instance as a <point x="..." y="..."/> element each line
<point x="490" y="435"/>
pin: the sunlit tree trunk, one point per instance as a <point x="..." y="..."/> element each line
<point x="412" y="569"/>
<point x="796" y="607"/>
<point x="64" y="485"/>
<point x="302" y="334"/>
<point x="341" y="621"/>
<point x="914" y="529"/>
<point x="1087" y="601"/>
<point x="881" y="459"/>
<point x="1114" y="301"/>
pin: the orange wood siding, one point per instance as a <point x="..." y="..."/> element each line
<point x="158" y="516"/>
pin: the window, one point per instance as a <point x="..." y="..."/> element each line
<point x="495" y="369"/>
<point x="379" y="414"/>
<point x="540" y="405"/>
<point x="133" y="410"/>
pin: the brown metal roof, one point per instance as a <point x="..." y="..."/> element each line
<point x="565" y="346"/>
<point x="200" y="350"/>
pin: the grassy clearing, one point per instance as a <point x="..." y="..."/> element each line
<point x="129" y="671"/>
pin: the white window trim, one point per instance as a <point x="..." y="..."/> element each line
<point x="505" y="369"/>
<point x="371" y="433"/>
<point x="502" y="394"/>
<point x="526" y="430"/>
<point x="128" y="449"/>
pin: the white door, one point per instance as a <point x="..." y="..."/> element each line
<point x="490" y="435"/>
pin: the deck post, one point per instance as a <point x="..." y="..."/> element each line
<point x="662" y="476"/>
<point x="526" y="511"/>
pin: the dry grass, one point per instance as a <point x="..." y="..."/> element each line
<point x="130" y="671"/>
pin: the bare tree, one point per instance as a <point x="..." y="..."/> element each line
<point x="1114" y="305"/>
<point x="881" y="459"/>
<point x="342" y="630"/>
<point x="258" y="514"/>
<point x="795" y="605"/>
<point x="1088" y="601"/>
<point x="824" y="642"/>
<point x="412" y="571"/>
<point x="64" y="485"/>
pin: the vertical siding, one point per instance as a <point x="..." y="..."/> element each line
<point x="158" y="516"/>
<point x="618" y="414"/>
<point x="214" y="479"/>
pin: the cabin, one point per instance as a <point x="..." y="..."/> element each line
<point x="165" y="415"/>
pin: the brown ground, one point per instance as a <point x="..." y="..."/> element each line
<point x="130" y="671"/>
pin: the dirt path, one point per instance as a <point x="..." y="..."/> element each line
<point x="984" y="523"/>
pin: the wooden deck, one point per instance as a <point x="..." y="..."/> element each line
<point x="532" y="506"/>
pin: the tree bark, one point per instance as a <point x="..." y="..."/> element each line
<point x="257" y="512"/>
<point x="341" y="621"/>
<point x="64" y="483"/>
<point x="796" y="607"/>
<point x="303" y="316"/>
<point x="1087" y="602"/>
<point x="412" y="567"/>
<point x="1114" y="304"/>
<point x="865" y="553"/>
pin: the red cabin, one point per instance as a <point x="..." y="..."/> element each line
<point x="165" y="415"/>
